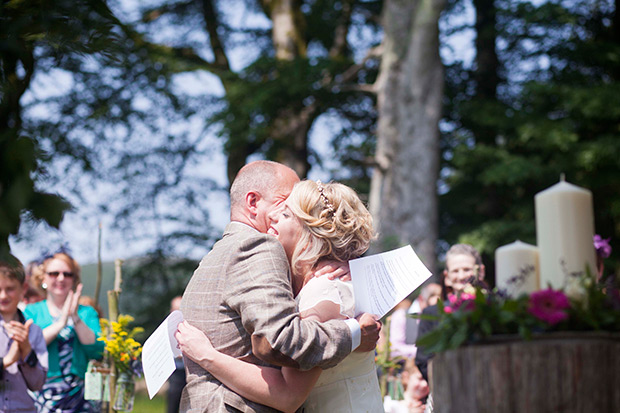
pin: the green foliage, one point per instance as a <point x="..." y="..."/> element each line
<point x="269" y="87"/>
<point x="150" y="285"/>
<point x="556" y="110"/>
<point x="128" y="123"/>
<point x="477" y="318"/>
<point x="107" y="129"/>
<point x="30" y="31"/>
<point x="474" y="318"/>
<point x="18" y="194"/>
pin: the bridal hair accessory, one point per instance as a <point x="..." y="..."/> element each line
<point x="328" y="205"/>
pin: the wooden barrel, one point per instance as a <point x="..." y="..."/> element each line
<point x="556" y="372"/>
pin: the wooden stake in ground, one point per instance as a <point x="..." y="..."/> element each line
<point x="99" y="269"/>
<point x="113" y="316"/>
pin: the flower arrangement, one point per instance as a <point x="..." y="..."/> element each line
<point x="586" y="303"/>
<point x="121" y="345"/>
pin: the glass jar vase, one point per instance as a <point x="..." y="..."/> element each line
<point x="125" y="393"/>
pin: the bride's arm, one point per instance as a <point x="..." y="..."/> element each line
<point x="284" y="389"/>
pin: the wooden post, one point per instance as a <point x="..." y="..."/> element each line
<point x="113" y="316"/>
<point x="99" y="269"/>
<point x="118" y="275"/>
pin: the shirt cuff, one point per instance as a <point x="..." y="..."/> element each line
<point x="32" y="359"/>
<point x="356" y="332"/>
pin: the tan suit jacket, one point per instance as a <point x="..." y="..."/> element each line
<point x="241" y="294"/>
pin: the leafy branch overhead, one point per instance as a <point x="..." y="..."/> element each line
<point x="30" y="33"/>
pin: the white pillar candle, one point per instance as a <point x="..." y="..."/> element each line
<point x="564" y="232"/>
<point x="516" y="268"/>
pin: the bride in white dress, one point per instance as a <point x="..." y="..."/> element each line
<point x="318" y="222"/>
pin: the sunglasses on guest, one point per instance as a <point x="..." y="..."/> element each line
<point x="55" y="274"/>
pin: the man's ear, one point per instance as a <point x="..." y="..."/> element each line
<point x="251" y="202"/>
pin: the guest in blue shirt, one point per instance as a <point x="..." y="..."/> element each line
<point x="23" y="362"/>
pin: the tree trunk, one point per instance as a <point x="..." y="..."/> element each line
<point x="288" y="28"/>
<point x="290" y="128"/>
<point x="403" y="195"/>
<point x="487" y="62"/>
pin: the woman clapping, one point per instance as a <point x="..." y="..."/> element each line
<point x="70" y="331"/>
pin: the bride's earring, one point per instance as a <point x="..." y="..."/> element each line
<point x="44" y="286"/>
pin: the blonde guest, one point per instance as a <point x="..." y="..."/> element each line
<point x="70" y="331"/>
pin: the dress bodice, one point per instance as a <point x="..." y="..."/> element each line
<point x="352" y="386"/>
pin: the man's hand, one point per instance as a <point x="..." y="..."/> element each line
<point x="334" y="269"/>
<point x="370" y="326"/>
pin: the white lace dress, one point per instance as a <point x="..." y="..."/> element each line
<point x="352" y="386"/>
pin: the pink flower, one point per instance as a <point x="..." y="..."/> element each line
<point x="548" y="306"/>
<point x="452" y="298"/>
<point x="463" y="301"/>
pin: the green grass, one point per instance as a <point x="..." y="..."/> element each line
<point x="142" y="404"/>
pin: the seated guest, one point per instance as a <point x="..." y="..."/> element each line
<point x="23" y="361"/>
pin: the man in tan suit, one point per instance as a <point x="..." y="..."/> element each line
<point x="241" y="297"/>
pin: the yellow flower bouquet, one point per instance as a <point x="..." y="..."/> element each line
<point x="121" y="345"/>
<point x="125" y="351"/>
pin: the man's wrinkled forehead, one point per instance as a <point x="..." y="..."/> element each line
<point x="286" y="183"/>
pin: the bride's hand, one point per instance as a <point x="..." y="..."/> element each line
<point x="194" y="344"/>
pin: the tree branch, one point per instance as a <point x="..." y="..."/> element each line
<point x="212" y="23"/>
<point x="341" y="81"/>
<point x="342" y="30"/>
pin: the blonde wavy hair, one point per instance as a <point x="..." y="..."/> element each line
<point x="38" y="273"/>
<point x="335" y="224"/>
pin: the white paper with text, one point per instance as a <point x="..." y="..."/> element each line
<point x="383" y="280"/>
<point x="159" y="351"/>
